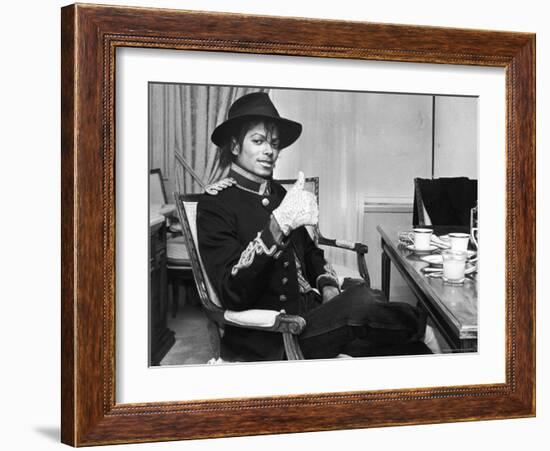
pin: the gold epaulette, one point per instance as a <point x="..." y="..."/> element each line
<point x="216" y="187"/>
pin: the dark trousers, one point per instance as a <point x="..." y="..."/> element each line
<point x="360" y="322"/>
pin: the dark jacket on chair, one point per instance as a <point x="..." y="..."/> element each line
<point x="448" y="200"/>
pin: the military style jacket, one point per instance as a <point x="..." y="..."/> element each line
<point x="251" y="264"/>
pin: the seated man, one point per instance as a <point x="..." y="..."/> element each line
<point x="258" y="254"/>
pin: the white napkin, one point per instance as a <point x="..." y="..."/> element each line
<point x="439" y="242"/>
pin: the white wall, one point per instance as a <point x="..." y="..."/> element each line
<point x="385" y="138"/>
<point x="30" y="145"/>
<point x="456" y="137"/>
<point x="358" y="144"/>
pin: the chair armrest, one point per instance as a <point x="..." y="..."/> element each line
<point x="360" y="248"/>
<point x="167" y="210"/>
<point x="251" y="318"/>
<point x="268" y="320"/>
<point x="290" y="324"/>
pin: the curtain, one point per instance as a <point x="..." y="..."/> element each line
<point x="181" y="120"/>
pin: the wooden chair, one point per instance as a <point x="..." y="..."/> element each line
<point x="290" y="326"/>
<point x="179" y="271"/>
<point x="178" y="264"/>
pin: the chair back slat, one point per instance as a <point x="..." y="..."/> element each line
<point x="311" y="184"/>
<point x="157" y="192"/>
<point x="187" y="211"/>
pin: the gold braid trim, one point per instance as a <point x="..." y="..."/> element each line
<point x="255" y="247"/>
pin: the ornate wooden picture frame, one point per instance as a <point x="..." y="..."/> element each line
<point x="90" y="412"/>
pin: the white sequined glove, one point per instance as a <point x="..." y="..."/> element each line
<point x="298" y="208"/>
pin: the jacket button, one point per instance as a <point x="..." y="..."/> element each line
<point x="282" y="298"/>
<point x="284" y="280"/>
<point x="285" y="264"/>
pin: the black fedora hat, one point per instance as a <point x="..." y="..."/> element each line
<point x="252" y="106"/>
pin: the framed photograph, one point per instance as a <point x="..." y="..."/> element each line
<point x="330" y="226"/>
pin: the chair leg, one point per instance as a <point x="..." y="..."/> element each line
<point x="362" y="267"/>
<point x="292" y="347"/>
<point x="214" y="339"/>
<point x="183" y="294"/>
<point x="175" y="295"/>
<point x="386" y="273"/>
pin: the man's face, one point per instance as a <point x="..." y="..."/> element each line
<point x="259" y="150"/>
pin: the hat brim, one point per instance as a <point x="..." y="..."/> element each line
<point x="289" y="131"/>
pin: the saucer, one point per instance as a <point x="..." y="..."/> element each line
<point x="433" y="260"/>
<point x="428" y="250"/>
<point x="471" y="254"/>
<point x="437" y="271"/>
<point x="437" y="259"/>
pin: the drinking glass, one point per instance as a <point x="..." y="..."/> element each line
<point x="454" y="264"/>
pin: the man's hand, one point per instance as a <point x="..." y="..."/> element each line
<point x="329" y="292"/>
<point x="298" y="208"/>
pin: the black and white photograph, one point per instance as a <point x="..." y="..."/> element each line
<point x="291" y="224"/>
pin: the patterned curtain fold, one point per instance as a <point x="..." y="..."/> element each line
<point x="181" y="120"/>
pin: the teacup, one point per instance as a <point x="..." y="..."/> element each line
<point x="459" y="241"/>
<point x="421" y="238"/>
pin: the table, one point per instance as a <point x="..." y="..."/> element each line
<point x="452" y="308"/>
